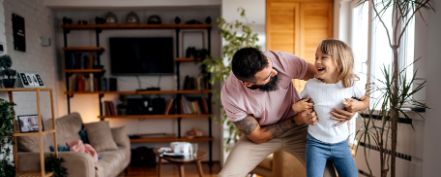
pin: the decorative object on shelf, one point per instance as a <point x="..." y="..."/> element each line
<point x="54" y="164"/>
<point x="177" y="20"/>
<point x="194" y="132"/>
<point x="132" y="18"/>
<point x="30" y="80"/>
<point x="82" y="22"/>
<point x="100" y="20"/>
<point x="67" y="21"/>
<point x="7" y="75"/>
<point x="196" y="54"/>
<point x="154" y="19"/>
<point x="18" y="32"/>
<point x="28" y="123"/>
<point x="208" y="20"/>
<point x="111" y="18"/>
<point x="6" y="131"/>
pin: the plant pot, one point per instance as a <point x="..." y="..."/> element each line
<point x="8" y="83"/>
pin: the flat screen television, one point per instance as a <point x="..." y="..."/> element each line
<point x="141" y="55"/>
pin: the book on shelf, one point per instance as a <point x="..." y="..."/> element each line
<point x="84" y="83"/>
<point x="109" y="108"/>
<point x="169" y="106"/>
<point x="194" y="105"/>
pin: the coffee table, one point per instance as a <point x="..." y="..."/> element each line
<point x="181" y="161"/>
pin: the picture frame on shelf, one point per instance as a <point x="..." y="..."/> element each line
<point x="30" y="80"/>
<point x="28" y="123"/>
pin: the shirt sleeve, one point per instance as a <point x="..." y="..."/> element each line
<point x="230" y="105"/>
<point x="359" y="89"/>
<point x="293" y="66"/>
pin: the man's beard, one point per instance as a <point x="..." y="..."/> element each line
<point x="270" y="86"/>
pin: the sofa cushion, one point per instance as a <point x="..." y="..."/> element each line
<point x="100" y="136"/>
<point x="119" y="135"/>
<point x="112" y="162"/>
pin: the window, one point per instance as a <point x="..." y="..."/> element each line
<point x="371" y="47"/>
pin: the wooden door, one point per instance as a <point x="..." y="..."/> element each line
<point x="298" y="26"/>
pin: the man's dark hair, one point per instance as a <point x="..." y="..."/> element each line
<point x="247" y="62"/>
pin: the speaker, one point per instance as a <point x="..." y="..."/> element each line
<point x="113" y="84"/>
<point x="146" y="105"/>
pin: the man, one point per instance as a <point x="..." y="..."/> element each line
<point x="257" y="98"/>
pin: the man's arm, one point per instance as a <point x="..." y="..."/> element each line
<point x="310" y="73"/>
<point x="257" y="134"/>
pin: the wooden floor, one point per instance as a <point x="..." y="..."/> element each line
<point x="170" y="170"/>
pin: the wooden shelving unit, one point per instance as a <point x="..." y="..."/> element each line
<point x="159" y="116"/>
<point x="170" y="139"/>
<point x="84" y="49"/>
<point x="98" y="29"/>
<point x="40" y="133"/>
<point x="134" y="26"/>
<point x="84" y="70"/>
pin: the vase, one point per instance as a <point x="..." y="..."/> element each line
<point x="8" y="83"/>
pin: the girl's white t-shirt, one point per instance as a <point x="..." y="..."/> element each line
<point x="325" y="98"/>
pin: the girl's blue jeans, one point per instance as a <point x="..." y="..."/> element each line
<point x="318" y="152"/>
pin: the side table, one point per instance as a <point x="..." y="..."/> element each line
<point x="181" y="161"/>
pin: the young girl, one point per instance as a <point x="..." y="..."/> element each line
<point x="334" y="86"/>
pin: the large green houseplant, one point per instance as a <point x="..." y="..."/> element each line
<point x="6" y="132"/>
<point x="235" y="35"/>
<point x="397" y="88"/>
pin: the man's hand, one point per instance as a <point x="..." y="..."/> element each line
<point x="351" y="107"/>
<point x="355" y="105"/>
<point x="306" y="117"/>
<point x="341" y="115"/>
<point x="302" y="105"/>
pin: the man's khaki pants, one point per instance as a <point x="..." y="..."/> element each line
<point x="246" y="155"/>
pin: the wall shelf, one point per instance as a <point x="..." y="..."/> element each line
<point x="170" y="139"/>
<point x="83" y="70"/>
<point x="134" y="26"/>
<point x="158" y="116"/>
<point x="146" y="92"/>
<point x="84" y="49"/>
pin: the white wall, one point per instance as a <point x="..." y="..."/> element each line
<point x="254" y="11"/>
<point x="432" y="131"/>
<point x="87" y="105"/>
<point x="36" y="58"/>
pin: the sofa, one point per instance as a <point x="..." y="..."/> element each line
<point x="111" y="144"/>
<point x="280" y="164"/>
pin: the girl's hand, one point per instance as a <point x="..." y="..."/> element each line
<point x="302" y="105"/>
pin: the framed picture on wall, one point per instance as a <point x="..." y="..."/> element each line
<point x="18" y="32"/>
<point x="28" y="123"/>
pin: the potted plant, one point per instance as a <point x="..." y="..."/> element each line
<point x="397" y="88"/>
<point x="235" y="35"/>
<point x="7" y="74"/>
<point x="6" y="130"/>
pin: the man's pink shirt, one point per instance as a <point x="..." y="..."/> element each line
<point x="268" y="107"/>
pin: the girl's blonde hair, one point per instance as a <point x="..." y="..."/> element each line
<point x="342" y="54"/>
